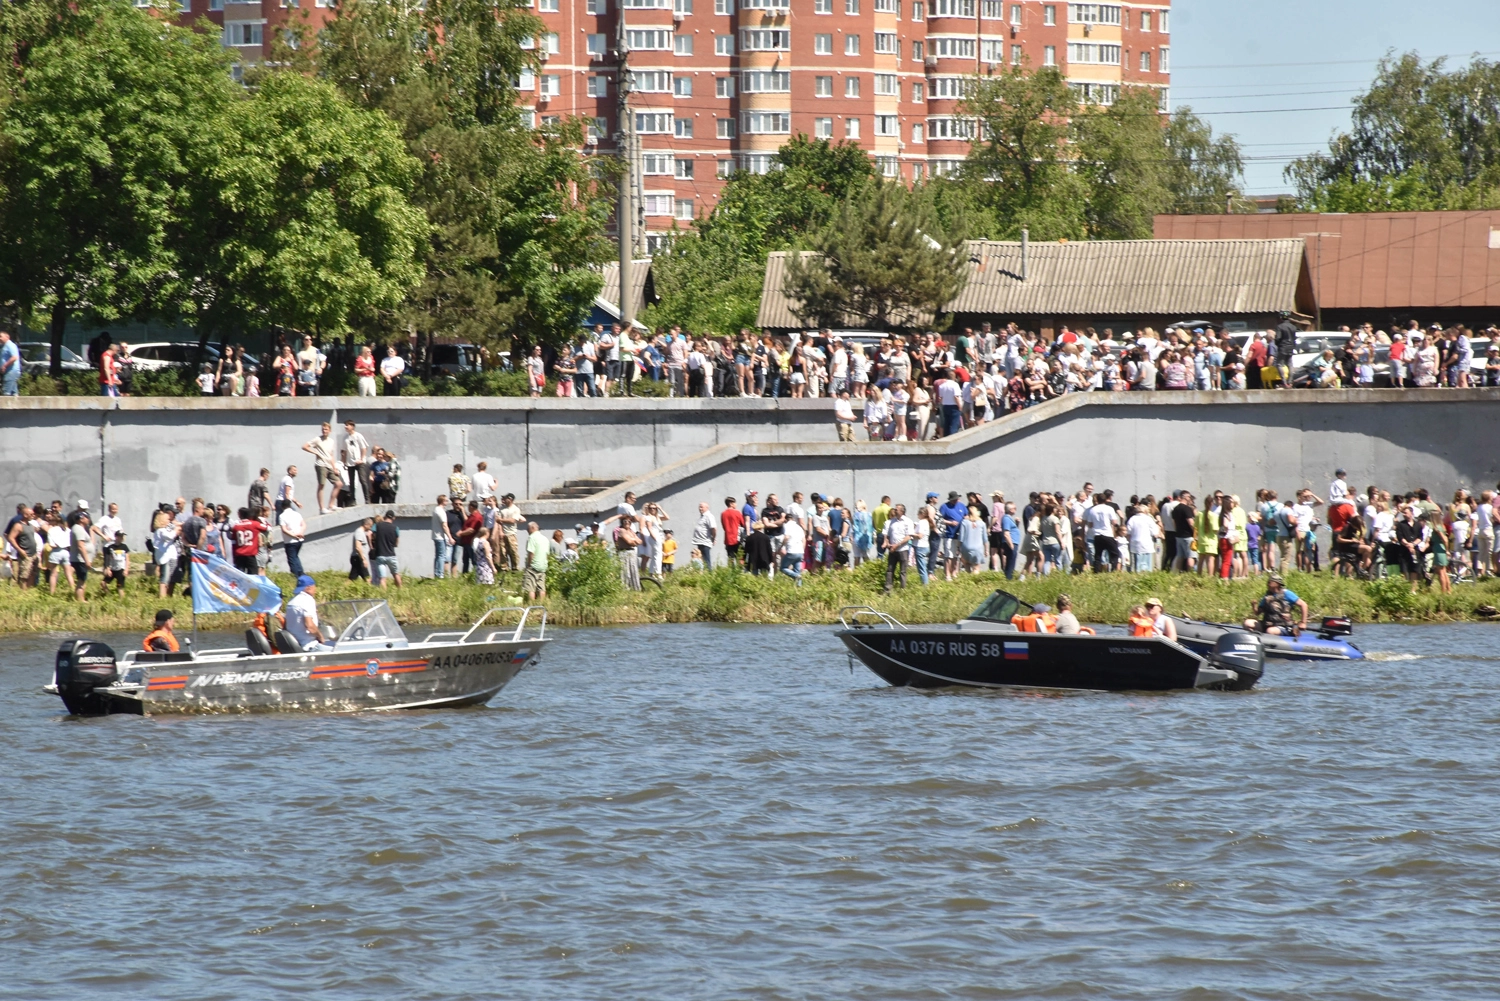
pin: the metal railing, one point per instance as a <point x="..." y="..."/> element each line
<point x="858" y="616"/>
<point x="515" y="635"/>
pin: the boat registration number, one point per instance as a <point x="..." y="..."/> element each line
<point x="946" y="648"/>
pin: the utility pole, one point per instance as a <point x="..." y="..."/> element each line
<point x="625" y="141"/>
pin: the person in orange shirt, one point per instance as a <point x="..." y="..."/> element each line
<point x="1141" y="624"/>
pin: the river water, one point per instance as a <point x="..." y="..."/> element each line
<point x="727" y="812"/>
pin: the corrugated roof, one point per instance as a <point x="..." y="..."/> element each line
<point x="1124" y="277"/>
<point x="1107" y="277"/>
<point x="640" y="282"/>
<point x="1370" y="260"/>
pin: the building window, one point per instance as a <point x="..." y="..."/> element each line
<point x="724" y="86"/>
<point x="1015" y="55"/>
<point x="551" y="85"/>
<point x="682" y="86"/>
<point x="885" y="43"/>
<point x="1049" y="14"/>
<point x="651" y="81"/>
<point x="822" y="86"/>
<point x="596" y="6"/>
<point x="756" y="163"/>
<point x="723" y="6"/>
<point x="851" y="45"/>
<point x="851" y="86"/>
<point x="649" y="122"/>
<point x="822" y="6"/>
<point x="683" y="170"/>
<point x="1096" y="93"/>
<point x="682" y="45"/>
<point x="918" y="10"/>
<point x="1049" y="55"/>
<point x="766" y="81"/>
<point x="949" y="88"/>
<point x="596" y="46"/>
<point x="950" y="128"/>
<point x="991" y="51"/>
<point x="765" y="40"/>
<point x="1015" y="14"/>
<point x="918" y="92"/>
<point x="723" y="169"/>
<point x="774" y="5"/>
<point x="1163" y="102"/>
<point x="525" y="81"/>
<point x="822" y="45"/>
<point x="656" y="163"/>
<point x="851" y="6"/>
<point x="244" y="33"/>
<point x="953" y="8"/>
<point x="1145" y="20"/>
<point x="684" y="209"/>
<point x="660" y="203"/>
<point x="682" y="7"/>
<point x="822" y="128"/>
<point x="1163" y="62"/>
<point x="649" y="4"/>
<point x="682" y="128"/>
<point x="992" y="10"/>
<point x="916" y="132"/>
<point x="723" y="45"/>
<point x="725" y="128"/>
<point x="943" y="168"/>
<point x="1094" y="54"/>
<point x="851" y="128"/>
<point x="887" y="7"/>
<point x="648" y="39"/>
<point x="1161" y="21"/>
<point x="598" y="129"/>
<point x="886" y="86"/>
<point x="953" y="48"/>
<point x="1093" y="13"/>
<point x="551" y="43"/>
<point x="916" y="51"/>
<point x="889" y="166"/>
<point x="766" y="122"/>
<point x="547" y="6"/>
<point x="887" y="125"/>
<point x="1145" y="62"/>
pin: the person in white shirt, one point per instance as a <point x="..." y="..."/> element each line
<point x="356" y="456"/>
<point x="843" y="416"/>
<point x="794" y="544"/>
<point x="875" y="416"/>
<point x="286" y="491"/>
<point x="484" y="482"/>
<point x="1142" y="532"/>
<point x="293" y="533"/>
<point x="897" y="537"/>
<point x="1484" y="538"/>
<point x="321" y="449"/>
<point x="107" y="526"/>
<point x="392" y="367"/>
<point x="1339" y="488"/>
<point x="302" y="616"/>
<point x="1100" y="522"/>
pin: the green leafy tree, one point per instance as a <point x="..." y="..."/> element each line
<point x="881" y="261"/>
<point x="1421" y="137"/>
<point x="516" y="215"/>
<point x="1205" y="173"/>
<point x="103" y="106"/>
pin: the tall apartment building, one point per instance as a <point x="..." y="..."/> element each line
<point x="718" y="85"/>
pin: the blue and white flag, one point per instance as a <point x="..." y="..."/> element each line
<point x="219" y="587"/>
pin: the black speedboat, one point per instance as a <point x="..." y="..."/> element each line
<point x="986" y="651"/>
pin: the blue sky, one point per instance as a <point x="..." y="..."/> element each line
<point x="1232" y="61"/>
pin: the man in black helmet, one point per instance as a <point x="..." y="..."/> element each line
<point x="1286" y="347"/>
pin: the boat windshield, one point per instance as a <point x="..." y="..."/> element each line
<point x="998" y="607"/>
<point x="361" y="621"/>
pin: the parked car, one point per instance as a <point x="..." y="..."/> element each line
<point x="157" y="355"/>
<point x="451" y="359"/>
<point x="37" y="355"/>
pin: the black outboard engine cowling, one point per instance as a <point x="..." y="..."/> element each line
<point x="1335" y="625"/>
<point x="84" y="667"/>
<point x="1240" y="651"/>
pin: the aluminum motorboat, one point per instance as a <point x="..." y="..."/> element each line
<point x="370" y="664"/>
<point x="986" y="650"/>
<point x="1327" y="641"/>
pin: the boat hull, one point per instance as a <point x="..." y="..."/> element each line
<point x="404" y="678"/>
<point x="1200" y="637"/>
<point x="936" y="657"/>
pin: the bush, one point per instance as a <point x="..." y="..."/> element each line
<point x="594" y="580"/>
<point x="36" y="382"/>
<point x="1392" y="596"/>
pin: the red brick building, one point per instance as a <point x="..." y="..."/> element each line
<point x="719" y="85"/>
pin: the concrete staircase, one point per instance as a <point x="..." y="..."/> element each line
<point x="577" y="489"/>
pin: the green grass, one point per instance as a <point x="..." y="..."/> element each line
<point x="592" y="596"/>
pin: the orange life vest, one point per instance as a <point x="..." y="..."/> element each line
<point x="1035" y="623"/>
<point x="262" y="622"/>
<point x="164" y="635"/>
<point x="1142" y="625"/>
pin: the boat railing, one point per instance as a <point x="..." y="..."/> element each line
<point x="531" y="625"/>
<point x="865" y="617"/>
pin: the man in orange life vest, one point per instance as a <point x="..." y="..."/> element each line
<point x="161" y="639"/>
<point x="1039" y="621"/>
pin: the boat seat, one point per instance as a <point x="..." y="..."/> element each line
<point x="257" y="644"/>
<point x="286" y="642"/>
<point x="163" y="656"/>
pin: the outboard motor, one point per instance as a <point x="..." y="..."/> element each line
<point x="84" y="667"/>
<point x="1335" y="625"/>
<point x="1241" y="652"/>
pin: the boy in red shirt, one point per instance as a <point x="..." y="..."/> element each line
<point x="733" y="521"/>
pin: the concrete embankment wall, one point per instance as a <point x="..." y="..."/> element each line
<point x="680" y="452"/>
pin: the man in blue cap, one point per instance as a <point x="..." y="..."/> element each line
<point x="302" y="616"/>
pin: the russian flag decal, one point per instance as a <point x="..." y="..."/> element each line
<point x="1017" y="651"/>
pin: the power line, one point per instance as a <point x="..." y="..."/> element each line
<point x="1245" y="97"/>
<point x="1327" y="62"/>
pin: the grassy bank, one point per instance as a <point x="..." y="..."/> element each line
<point x="592" y="596"/>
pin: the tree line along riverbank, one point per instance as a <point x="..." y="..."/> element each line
<point x="591" y="596"/>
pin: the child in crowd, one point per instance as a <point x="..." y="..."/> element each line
<point x="116" y="564"/>
<point x="252" y="381"/>
<point x="668" y="552"/>
<point x="206" y="382"/>
<point x="1252" y="534"/>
